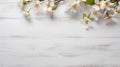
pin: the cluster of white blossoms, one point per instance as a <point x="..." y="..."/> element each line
<point x="49" y="5"/>
<point x="88" y="10"/>
<point x="100" y="9"/>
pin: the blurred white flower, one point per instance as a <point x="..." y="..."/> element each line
<point x="26" y="12"/>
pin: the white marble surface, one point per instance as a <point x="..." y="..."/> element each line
<point x="62" y="42"/>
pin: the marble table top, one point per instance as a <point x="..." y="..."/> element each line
<point x="59" y="42"/>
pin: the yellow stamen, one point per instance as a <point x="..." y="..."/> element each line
<point x="99" y="5"/>
<point x="86" y="21"/>
<point x="95" y="13"/>
<point x="48" y="5"/>
<point x="118" y="11"/>
<point x="37" y="6"/>
<point x="107" y="3"/>
<point x="74" y="6"/>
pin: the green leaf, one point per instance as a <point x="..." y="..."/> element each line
<point x="89" y="16"/>
<point x="24" y="2"/>
<point x="90" y="2"/>
<point x="54" y="7"/>
<point x="84" y="15"/>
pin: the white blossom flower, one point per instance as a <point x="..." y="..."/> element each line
<point x="26" y="12"/>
